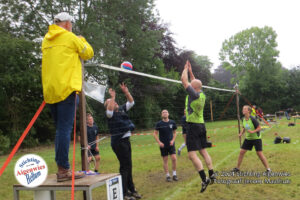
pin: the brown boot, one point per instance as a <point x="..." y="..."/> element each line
<point x="66" y="174"/>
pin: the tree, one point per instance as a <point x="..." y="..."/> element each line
<point x="224" y="76"/>
<point x="20" y="91"/>
<point x="252" y="56"/>
<point x="291" y="87"/>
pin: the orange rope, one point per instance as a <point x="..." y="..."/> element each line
<point x="24" y="134"/>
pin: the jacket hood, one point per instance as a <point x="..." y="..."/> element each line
<point x="54" y="31"/>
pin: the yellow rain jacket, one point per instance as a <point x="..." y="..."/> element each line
<point x="61" y="65"/>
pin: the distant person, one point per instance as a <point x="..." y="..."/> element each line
<point x="288" y="113"/>
<point x="260" y="113"/>
<point x="62" y="78"/>
<point x="253" y="112"/>
<point x="196" y="132"/>
<point x="93" y="136"/>
<point x="253" y="138"/>
<point x="120" y="127"/>
<point x="166" y="129"/>
<point x="183" y="125"/>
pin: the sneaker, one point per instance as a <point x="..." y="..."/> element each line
<point x="126" y="197"/>
<point x="168" y="179"/>
<point x="204" y="185"/>
<point x="136" y="195"/>
<point x="235" y="170"/>
<point x="212" y="178"/>
<point x="178" y="152"/>
<point x="175" y="178"/>
<point x="268" y="172"/>
<point x="67" y="175"/>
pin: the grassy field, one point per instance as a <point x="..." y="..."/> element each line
<point x="150" y="179"/>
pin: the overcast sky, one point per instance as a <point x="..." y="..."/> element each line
<point x="203" y="25"/>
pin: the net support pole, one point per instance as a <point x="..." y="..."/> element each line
<point x="238" y="110"/>
<point x="83" y="131"/>
<point x="211" y="112"/>
<point x="83" y="134"/>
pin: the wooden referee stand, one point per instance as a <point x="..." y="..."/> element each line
<point x="47" y="190"/>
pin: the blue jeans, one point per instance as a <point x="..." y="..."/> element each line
<point x="63" y="114"/>
<point x="287" y="115"/>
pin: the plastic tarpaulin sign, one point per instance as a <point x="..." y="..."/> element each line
<point x="94" y="91"/>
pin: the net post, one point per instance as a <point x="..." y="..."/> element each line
<point x="236" y="87"/>
<point x="83" y="132"/>
<point x="211" y="112"/>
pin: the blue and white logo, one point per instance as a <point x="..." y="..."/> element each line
<point x="31" y="170"/>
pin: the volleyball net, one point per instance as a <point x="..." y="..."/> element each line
<point x="152" y="94"/>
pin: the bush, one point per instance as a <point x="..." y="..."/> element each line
<point x="4" y="143"/>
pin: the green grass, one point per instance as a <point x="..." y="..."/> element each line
<point x="149" y="177"/>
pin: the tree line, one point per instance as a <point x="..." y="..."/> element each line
<point x="129" y="30"/>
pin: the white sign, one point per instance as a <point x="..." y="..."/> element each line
<point x="114" y="188"/>
<point x="94" y="91"/>
<point x="31" y="170"/>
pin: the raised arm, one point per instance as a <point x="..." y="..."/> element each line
<point x="111" y="101"/>
<point x="184" y="76"/>
<point x="192" y="77"/>
<point x="126" y="92"/>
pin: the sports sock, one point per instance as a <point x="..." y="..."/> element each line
<point x="168" y="174"/>
<point x="210" y="172"/>
<point x="182" y="146"/>
<point x="174" y="173"/>
<point x="202" y="175"/>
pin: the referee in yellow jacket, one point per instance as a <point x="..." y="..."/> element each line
<point x="61" y="79"/>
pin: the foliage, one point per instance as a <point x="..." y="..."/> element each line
<point x="252" y="56"/>
<point x="129" y="30"/>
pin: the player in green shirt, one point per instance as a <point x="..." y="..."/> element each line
<point x="196" y="140"/>
<point x="253" y="138"/>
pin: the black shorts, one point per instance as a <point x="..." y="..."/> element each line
<point x="248" y="144"/>
<point x="93" y="151"/>
<point x="196" y="137"/>
<point x="168" y="150"/>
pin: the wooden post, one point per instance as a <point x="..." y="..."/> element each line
<point x="83" y="133"/>
<point x="211" y="112"/>
<point x="238" y="110"/>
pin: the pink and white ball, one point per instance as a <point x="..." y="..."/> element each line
<point x="126" y="65"/>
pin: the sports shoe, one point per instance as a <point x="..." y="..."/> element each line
<point x="268" y="172"/>
<point x="168" y="179"/>
<point x="204" y="185"/>
<point x="175" y="178"/>
<point x="66" y="174"/>
<point x="126" y="197"/>
<point x="235" y="170"/>
<point x="212" y="178"/>
<point x="134" y="194"/>
<point x="179" y="152"/>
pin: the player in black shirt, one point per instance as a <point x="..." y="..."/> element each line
<point x="92" y="136"/>
<point x="166" y="129"/>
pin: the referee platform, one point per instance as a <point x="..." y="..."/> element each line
<point x="47" y="190"/>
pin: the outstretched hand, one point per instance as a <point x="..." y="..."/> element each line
<point x="186" y="66"/>
<point x="112" y="93"/>
<point x="189" y="65"/>
<point x="124" y="88"/>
